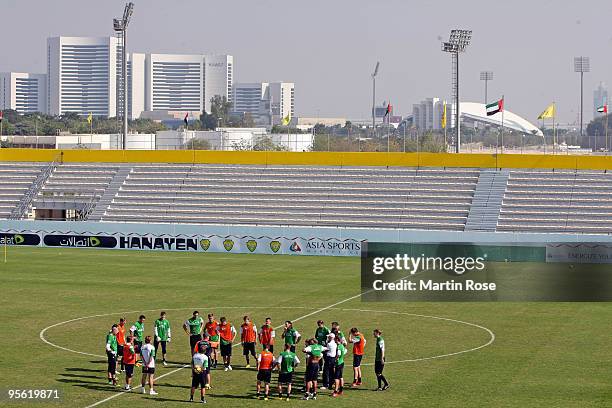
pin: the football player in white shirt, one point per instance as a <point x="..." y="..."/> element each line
<point x="147" y="353"/>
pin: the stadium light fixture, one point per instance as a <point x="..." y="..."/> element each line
<point x="374" y="95"/>
<point x="486" y="76"/>
<point x="456" y="44"/>
<point x="120" y="26"/>
<point x="582" y="65"/>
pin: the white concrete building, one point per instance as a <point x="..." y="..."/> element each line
<point x="428" y="114"/>
<point x="251" y="98"/>
<point x="233" y="139"/>
<point x="282" y="98"/>
<point x="82" y="75"/>
<point x="136" y="85"/>
<point x="134" y="141"/>
<point x="174" y="82"/>
<point x="267" y="102"/>
<point x="23" y="92"/>
<point x="218" y="78"/>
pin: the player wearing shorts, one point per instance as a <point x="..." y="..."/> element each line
<point x="290" y="335"/>
<point x="163" y="335"/>
<point x="193" y="327"/>
<point x="286" y="363"/>
<point x="147" y="353"/>
<point x="267" y="334"/>
<point x="137" y="331"/>
<point x="211" y="327"/>
<point x="339" y="369"/>
<point x="379" y="361"/>
<point x="248" y="335"/>
<point x="205" y="342"/>
<point x="315" y="354"/>
<point x="265" y="363"/>
<point x="227" y="334"/>
<point x="129" y="360"/>
<point x="111" y="354"/>
<point x="199" y="367"/>
<point x="120" y="341"/>
<point x="359" y="343"/>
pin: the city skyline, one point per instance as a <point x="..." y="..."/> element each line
<point x="531" y="58"/>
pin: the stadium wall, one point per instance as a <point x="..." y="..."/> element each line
<point x="245" y="239"/>
<point x="313" y="158"/>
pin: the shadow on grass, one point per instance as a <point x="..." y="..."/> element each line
<point x="86" y="370"/>
<point x="97" y="377"/>
<point x="90" y="385"/>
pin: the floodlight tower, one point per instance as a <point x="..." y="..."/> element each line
<point x="582" y="65"/>
<point x="486" y="76"/>
<point x="457" y="43"/>
<point x="374" y="96"/>
<point x="120" y="26"/>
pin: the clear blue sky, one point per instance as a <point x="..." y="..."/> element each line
<point x="329" y="47"/>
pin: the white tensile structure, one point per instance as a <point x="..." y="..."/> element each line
<point x="476" y="112"/>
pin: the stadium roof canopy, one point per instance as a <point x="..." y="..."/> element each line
<point x="476" y="112"/>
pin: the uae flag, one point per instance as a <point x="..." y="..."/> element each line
<point x="603" y="109"/>
<point x="389" y="110"/>
<point x="495" y="107"/>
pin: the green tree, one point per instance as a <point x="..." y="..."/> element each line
<point x="220" y="109"/>
<point x="197" y="144"/>
<point x="265" y="143"/>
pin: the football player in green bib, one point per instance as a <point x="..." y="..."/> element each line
<point x="111" y="354"/>
<point x="193" y="327"/>
<point x="321" y="335"/>
<point x="315" y="354"/>
<point x="338" y="372"/>
<point x="291" y="336"/>
<point x="286" y="363"/>
<point x="379" y="361"/>
<point x="137" y="332"/>
<point x="163" y="334"/>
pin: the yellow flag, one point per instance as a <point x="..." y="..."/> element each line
<point x="548" y="112"/>
<point x="444" y="117"/>
<point x="89" y="118"/>
<point x="286" y="119"/>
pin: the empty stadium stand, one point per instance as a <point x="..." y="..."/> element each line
<point x="452" y="199"/>
<point x="557" y="201"/>
<point x="17" y="179"/>
<point x="293" y="195"/>
<point x="75" y="186"/>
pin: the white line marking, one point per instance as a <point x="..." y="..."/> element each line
<point x="491" y="334"/>
<point x="133" y="389"/>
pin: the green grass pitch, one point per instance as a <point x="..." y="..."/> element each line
<point x="544" y="354"/>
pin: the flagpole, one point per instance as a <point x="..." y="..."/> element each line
<point x="445" y="126"/>
<point x="553" y="129"/>
<point x="607" y="116"/>
<point x="544" y="133"/>
<point x="502" y="127"/>
<point x="388" y="127"/>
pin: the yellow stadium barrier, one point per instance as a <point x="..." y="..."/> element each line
<point x="464" y="160"/>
